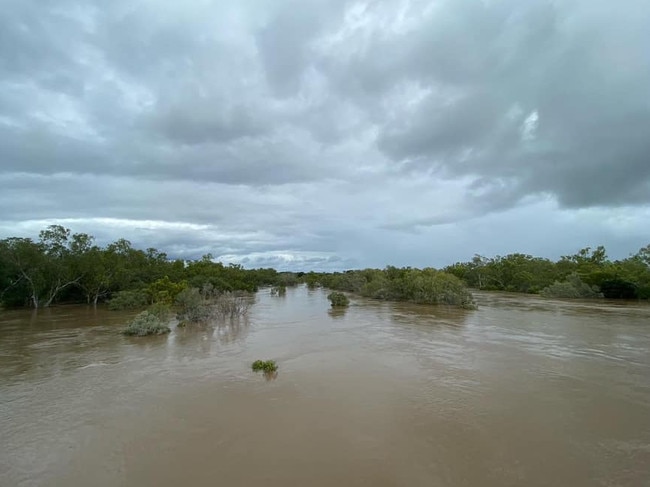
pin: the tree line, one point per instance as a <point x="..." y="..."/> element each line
<point x="588" y="273"/>
<point x="61" y="266"/>
<point x="70" y="267"/>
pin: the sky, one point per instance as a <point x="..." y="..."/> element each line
<point x="329" y="134"/>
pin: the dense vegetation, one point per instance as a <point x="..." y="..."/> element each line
<point x="65" y="267"/>
<point x="423" y="286"/>
<point x="264" y="366"/>
<point x="146" y="323"/>
<point x="587" y="273"/>
<point x="338" y="300"/>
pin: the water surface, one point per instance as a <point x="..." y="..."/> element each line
<point x="524" y="391"/>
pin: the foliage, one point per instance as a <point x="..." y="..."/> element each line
<point x="426" y="286"/>
<point x="264" y="366"/>
<point x="128" y="300"/>
<point x="61" y="266"/>
<point x="164" y="290"/>
<point x="161" y="311"/>
<point x="338" y="300"/>
<point x="287" y="279"/>
<point x="311" y="279"/>
<point x="144" y="324"/>
<point x="230" y="305"/>
<point x="627" y="279"/>
<point x="196" y="306"/>
<point x="193" y="307"/>
<point x="572" y="288"/>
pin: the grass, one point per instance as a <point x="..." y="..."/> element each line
<point x="265" y="366"/>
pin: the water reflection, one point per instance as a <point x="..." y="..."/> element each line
<point x="232" y="330"/>
<point x="430" y="316"/>
<point x="338" y="312"/>
<point x="269" y="376"/>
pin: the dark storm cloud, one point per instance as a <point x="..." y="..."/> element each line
<point x="579" y="70"/>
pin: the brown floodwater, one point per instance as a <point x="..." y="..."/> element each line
<point x="523" y="392"/>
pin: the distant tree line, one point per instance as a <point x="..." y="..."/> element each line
<point x="588" y="273"/>
<point x="70" y="267"/>
<point x="65" y="267"/>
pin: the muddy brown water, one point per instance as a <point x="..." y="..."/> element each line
<point x="523" y="392"/>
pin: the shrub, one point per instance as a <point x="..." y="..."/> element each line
<point x="128" y="300"/>
<point x="425" y="286"/>
<point x="265" y="366"/>
<point x="433" y="287"/>
<point x="288" y="279"/>
<point x="160" y="311"/>
<point x="144" y="324"/>
<point x="230" y="305"/>
<point x="338" y="299"/>
<point x="619" y="289"/>
<point x="202" y="306"/>
<point x="572" y="288"/>
<point x="164" y="290"/>
<point x="192" y="307"/>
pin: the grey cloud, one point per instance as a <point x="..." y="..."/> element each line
<point x="285" y="41"/>
<point x="347" y="129"/>
<point x="490" y="65"/>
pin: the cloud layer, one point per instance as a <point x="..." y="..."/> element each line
<point x="329" y="134"/>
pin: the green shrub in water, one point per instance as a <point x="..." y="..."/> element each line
<point x="144" y="324"/>
<point x="572" y="288"/>
<point x="338" y="299"/>
<point x="161" y="311"/>
<point x="265" y="366"/>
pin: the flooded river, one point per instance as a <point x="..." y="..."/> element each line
<point x="522" y="392"/>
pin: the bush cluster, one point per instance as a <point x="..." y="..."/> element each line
<point x="571" y="288"/>
<point x="144" y="324"/>
<point x="264" y="366"/>
<point x="338" y="300"/>
<point x="425" y="286"/>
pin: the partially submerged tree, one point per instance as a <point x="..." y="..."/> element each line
<point x="571" y="288"/>
<point x="338" y="300"/>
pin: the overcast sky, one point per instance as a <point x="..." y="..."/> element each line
<point x="329" y="134"/>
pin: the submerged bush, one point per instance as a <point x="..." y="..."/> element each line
<point x="280" y="290"/>
<point x="572" y="288"/>
<point x="144" y="324"/>
<point x="160" y="311"/>
<point x="128" y="300"/>
<point x="230" y="305"/>
<point x="424" y="286"/>
<point x="196" y="306"/>
<point x="338" y="299"/>
<point x="264" y="366"/>
<point x="192" y="307"/>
